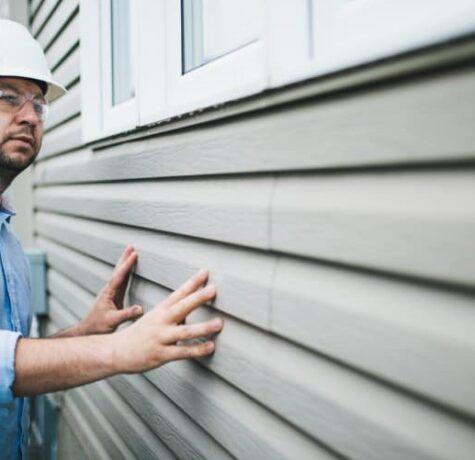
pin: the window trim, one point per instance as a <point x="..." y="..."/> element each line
<point x="209" y="84"/>
<point x="122" y="116"/>
<point x="273" y="60"/>
<point x="333" y="51"/>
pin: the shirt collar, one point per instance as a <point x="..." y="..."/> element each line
<point x="6" y="210"/>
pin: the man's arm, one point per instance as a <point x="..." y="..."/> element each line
<point x="45" y="365"/>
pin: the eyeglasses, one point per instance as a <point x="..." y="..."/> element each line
<point x="12" y="102"/>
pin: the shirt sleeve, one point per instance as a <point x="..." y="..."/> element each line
<point x="8" y="341"/>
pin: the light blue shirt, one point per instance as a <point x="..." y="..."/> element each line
<point x="15" y="320"/>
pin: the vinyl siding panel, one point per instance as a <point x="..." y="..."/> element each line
<point x="338" y="231"/>
<point x="68" y="70"/>
<point x="307" y="379"/>
<point x="61" y="15"/>
<point x="64" y="108"/>
<point x="369" y="127"/>
<point x="63" y="138"/>
<point x="413" y="223"/>
<point x="64" y="44"/>
<point x="69" y="446"/>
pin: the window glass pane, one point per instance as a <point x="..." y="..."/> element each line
<point x="122" y="78"/>
<point x="213" y="28"/>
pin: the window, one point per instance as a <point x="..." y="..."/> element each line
<point x="123" y="85"/>
<point x="337" y="34"/>
<point x="144" y="61"/>
<point x="108" y="67"/>
<point x="215" y="52"/>
<point x="119" y="105"/>
<point x="213" y="28"/>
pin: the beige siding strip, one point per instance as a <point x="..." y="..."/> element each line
<point x="304" y="389"/>
<point x="361" y="128"/>
<point x="42" y="15"/>
<point x="86" y="436"/>
<point x="414" y="223"/>
<point x="241" y="425"/>
<point x="178" y="430"/>
<point x="419" y="338"/>
<point x="91" y="274"/>
<point x="34" y="5"/>
<point x="307" y="390"/>
<point x="61" y="139"/>
<point x="56" y="22"/>
<point x="136" y="435"/>
<point x="77" y="302"/>
<point x="71" y="158"/>
<point x="64" y="108"/>
<point x="350" y="326"/>
<point x="69" y="70"/>
<point x="109" y="438"/>
<point x="220" y="403"/>
<point x="244" y="277"/>
<point x="59" y="315"/>
<point x="68" y="445"/>
<point x="229" y="210"/>
<point x="69" y="38"/>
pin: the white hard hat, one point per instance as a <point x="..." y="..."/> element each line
<point x="21" y="56"/>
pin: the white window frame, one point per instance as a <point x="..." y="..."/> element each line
<point x="289" y="30"/>
<point x="100" y="118"/>
<point x="237" y="74"/>
<point x="342" y="30"/>
<point x="122" y="116"/>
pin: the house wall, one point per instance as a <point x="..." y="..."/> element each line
<point x="337" y="220"/>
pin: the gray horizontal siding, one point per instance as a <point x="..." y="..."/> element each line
<point x="433" y="325"/>
<point x="56" y="15"/>
<point x="411" y="222"/>
<point x="338" y="232"/>
<point x="68" y="446"/>
<point x="371" y="127"/>
<point x="302" y="399"/>
<point x="213" y="410"/>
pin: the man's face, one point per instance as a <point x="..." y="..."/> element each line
<point x="20" y="133"/>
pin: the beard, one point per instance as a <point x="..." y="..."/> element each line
<point x="18" y="159"/>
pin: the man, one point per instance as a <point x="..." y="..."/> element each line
<point x="90" y="350"/>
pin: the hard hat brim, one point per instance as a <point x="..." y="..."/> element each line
<point x="55" y="90"/>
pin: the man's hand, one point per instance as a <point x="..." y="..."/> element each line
<point x="45" y="365"/>
<point x="108" y="310"/>
<point x="155" y="338"/>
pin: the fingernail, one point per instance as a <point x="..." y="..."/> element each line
<point x="211" y="289"/>
<point x="217" y="323"/>
<point x="202" y="271"/>
<point x="209" y="346"/>
<point x="138" y="310"/>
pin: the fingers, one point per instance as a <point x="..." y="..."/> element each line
<point x="194" y="331"/>
<point x="190" y="286"/>
<point x="180" y="310"/>
<point x="124" y="255"/>
<point x="176" y="352"/>
<point x="121" y="272"/>
<point x="128" y="314"/>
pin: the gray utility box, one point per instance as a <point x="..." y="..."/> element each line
<point x="37" y="260"/>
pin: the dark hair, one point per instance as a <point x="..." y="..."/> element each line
<point x="43" y="86"/>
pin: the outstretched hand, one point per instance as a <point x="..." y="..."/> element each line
<point x="158" y="336"/>
<point x="108" y="311"/>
